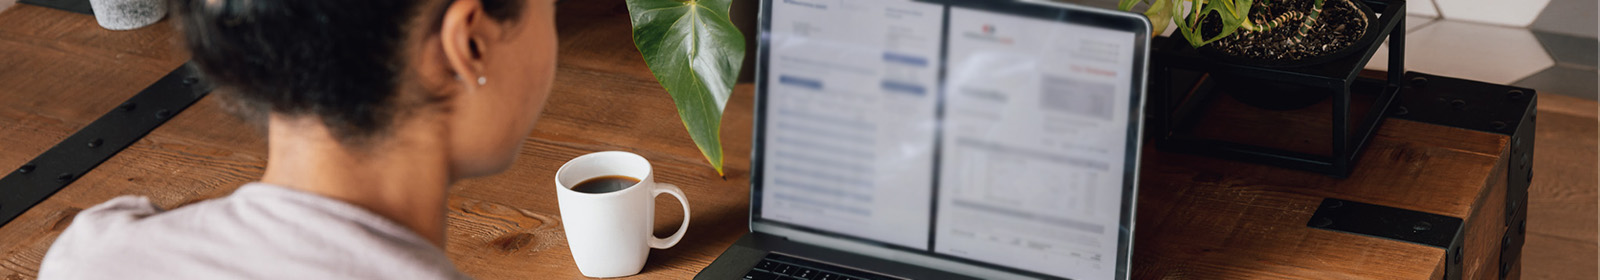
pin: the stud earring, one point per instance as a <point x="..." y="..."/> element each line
<point x="482" y="80"/>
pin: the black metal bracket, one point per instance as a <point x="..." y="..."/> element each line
<point x="76" y="6"/>
<point x="1396" y="224"/>
<point x="75" y="156"/>
<point x="1183" y="81"/>
<point x="1499" y="109"/>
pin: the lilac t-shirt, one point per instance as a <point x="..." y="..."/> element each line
<point x="260" y="231"/>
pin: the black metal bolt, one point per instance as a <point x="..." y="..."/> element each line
<point x="1499" y="125"/>
<point x="1335" y="204"/>
<point x="1322" y="222"/>
<point x="1421" y="226"/>
<point x="1511" y="212"/>
<point x="64" y="177"/>
<point x="25" y="169"/>
<point x="127" y="106"/>
<point x="163" y="113"/>
<point x="1457" y="256"/>
<point x="1458" y="104"/>
<point x="1505" y="243"/>
<point x="95" y="143"/>
<point x="1505" y="269"/>
<point x="1401" y="111"/>
<point x="1522" y="227"/>
<point x="1525" y="159"/>
<point x="1515" y="94"/>
<point x="1419" y="81"/>
<point x="189" y="81"/>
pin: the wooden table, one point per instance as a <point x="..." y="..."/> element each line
<point x="59" y="71"/>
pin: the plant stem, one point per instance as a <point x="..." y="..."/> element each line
<point x="1264" y="25"/>
<point x="1308" y="22"/>
<point x="1194" y="7"/>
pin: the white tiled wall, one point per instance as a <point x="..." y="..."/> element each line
<point x="1423" y="8"/>
<point x="1473" y="51"/>
<point x="1518" y="13"/>
<point x="1493" y="41"/>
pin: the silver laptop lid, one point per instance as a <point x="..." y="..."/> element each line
<point x="991" y="138"/>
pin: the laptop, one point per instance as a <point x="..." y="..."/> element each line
<point x="950" y="139"/>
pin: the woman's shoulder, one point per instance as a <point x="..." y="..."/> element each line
<point x="259" y="231"/>
<point x="102" y="221"/>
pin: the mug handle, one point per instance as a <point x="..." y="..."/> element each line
<point x="663" y="243"/>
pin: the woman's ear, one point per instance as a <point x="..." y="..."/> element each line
<point x="462" y="33"/>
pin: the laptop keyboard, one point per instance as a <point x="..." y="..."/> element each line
<point x="780" y="267"/>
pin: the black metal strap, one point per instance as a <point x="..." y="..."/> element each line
<point x="1397" y="224"/>
<point x="59" y="166"/>
<point x="76" y="6"/>
<point x="1492" y="108"/>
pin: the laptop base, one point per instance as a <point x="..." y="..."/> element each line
<point x="745" y="254"/>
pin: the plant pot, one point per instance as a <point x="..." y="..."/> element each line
<point x="1315" y="115"/>
<point x="1270" y="95"/>
<point x="1365" y="35"/>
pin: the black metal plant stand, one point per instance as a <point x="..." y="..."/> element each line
<point x="1184" y="83"/>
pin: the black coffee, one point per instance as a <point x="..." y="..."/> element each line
<point x="605" y="184"/>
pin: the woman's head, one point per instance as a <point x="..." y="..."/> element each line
<point x="477" y="69"/>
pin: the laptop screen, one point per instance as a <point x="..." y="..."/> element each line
<point x="983" y="136"/>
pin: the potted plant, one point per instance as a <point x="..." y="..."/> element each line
<point x="1272" y="33"/>
<point x="695" y="52"/>
<point x="1282" y="58"/>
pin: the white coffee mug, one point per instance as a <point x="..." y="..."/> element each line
<point x="127" y="14"/>
<point x="610" y="233"/>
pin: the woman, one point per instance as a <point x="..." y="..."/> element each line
<point x="371" y="108"/>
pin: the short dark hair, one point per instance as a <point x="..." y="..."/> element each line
<point x="339" y="60"/>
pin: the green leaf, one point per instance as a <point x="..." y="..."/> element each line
<point x="1231" y="13"/>
<point x="1126" y="5"/>
<point x="1243" y="8"/>
<point x="1227" y="6"/>
<point x="695" y="53"/>
<point x="1160" y="16"/>
<point x="1188" y="25"/>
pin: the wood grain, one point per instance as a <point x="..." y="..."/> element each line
<point x="1204" y="218"/>
<point x="1199" y="218"/>
<point x="502" y="227"/>
<point x="1562" y="212"/>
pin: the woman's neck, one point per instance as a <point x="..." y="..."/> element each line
<point x="403" y="177"/>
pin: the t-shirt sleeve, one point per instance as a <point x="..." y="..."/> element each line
<point x="82" y="250"/>
<point x="258" y="232"/>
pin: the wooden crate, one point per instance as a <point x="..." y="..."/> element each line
<point x="1207" y="218"/>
